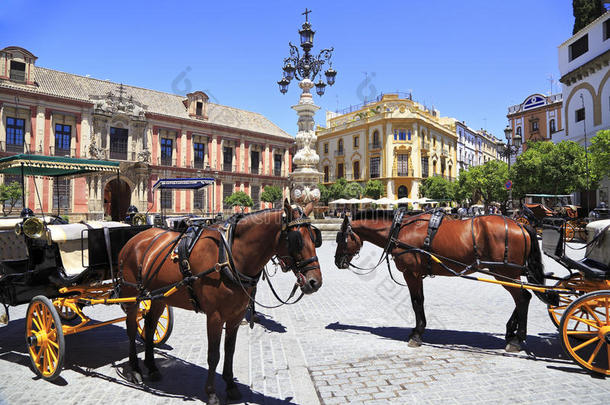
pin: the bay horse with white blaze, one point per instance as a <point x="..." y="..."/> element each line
<point x="499" y="244"/>
<point x="218" y="277"/>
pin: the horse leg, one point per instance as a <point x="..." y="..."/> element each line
<point x="150" y="325"/>
<point x="516" y="327"/>
<point x="214" y="326"/>
<point x="227" y="371"/>
<point x="135" y="375"/>
<point x="416" y="290"/>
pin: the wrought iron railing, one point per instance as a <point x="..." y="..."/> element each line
<point x="340" y="152"/>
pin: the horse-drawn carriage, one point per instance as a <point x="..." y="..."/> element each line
<point x="537" y="208"/>
<point x="59" y="268"/>
<point x="431" y="244"/>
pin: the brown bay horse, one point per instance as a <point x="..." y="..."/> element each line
<point x="222" y="294"/>
<point x="497" y="239"/>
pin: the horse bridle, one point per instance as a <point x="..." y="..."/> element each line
<point x="343" y="235"/>
<point x="298" y="266"/>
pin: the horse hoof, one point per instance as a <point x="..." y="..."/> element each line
<point x="135" y="377"/>
<point x="213" y="399"/>
<point x="233" y="393"/>
<point x="154" y="375"/>
<point x="513" y="346"/>
<point x="415" y="342"/>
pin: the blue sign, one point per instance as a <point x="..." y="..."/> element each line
<point x="508" y="185"/>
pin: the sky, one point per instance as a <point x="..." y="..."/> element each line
<point x="470" y="59"/>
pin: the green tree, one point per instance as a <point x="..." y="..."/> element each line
<point x="460" y="192"/>
<point x="337" y="189"/>
<point x="324" y="193"/>
<point x="272" y="194"/>
<point x="353" y="190"/>
<point x="585" y="11"/>
<point x="9" y="195"/>
<point x="436" y="188"/>
<point x="549" y="168"/>
<point x="240" y="199"/>
<point x="486" y="182"/>
<point x="599" y="154"/>
<point x="374" y="189"/>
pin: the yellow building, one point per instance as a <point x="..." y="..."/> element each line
<point x="394" y="140"/>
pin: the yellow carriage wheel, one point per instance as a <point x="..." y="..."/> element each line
<point x="164" y="325"/>
<point x="580" y="286"/>
<point x="569" y="232"/>
<point x="44" y="338"/>
<point x="523" y="221"/>
<point x="586" y="338"/>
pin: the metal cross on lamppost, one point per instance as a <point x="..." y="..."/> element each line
<point x="508" y="151"/>
<point x="305" y="67"/>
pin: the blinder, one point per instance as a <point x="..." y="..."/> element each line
<point x="316" y="236"/>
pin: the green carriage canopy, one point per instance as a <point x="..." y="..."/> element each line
<point x="53" y="166"/>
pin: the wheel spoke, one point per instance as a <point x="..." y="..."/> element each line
<point x="594" y="354"/>
<point x="587" y="343"/>
<point x="36" y="324"/>
<point x="579" y="332"/>
<point x="54" y="344"/>
<point x="585" y="321"/>
<point x="160" y="326"/>
<point x="590" y="311"/>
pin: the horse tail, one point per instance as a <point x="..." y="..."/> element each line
<point x="535" y="268"/>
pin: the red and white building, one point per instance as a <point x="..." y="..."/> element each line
<point x="153" y="134"/>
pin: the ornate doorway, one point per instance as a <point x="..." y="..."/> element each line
<point x="117" y="198"/>
<point x="403" y="192"/>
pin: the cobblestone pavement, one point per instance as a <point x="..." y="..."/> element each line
<point x="344" y="344"/>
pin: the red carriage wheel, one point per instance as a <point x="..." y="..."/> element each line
<point x="585" y="331"/>
<point x="569" y="232"/>
<point x="44" y="338"/>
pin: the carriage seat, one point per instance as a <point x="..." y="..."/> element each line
<point x="599" y="252"/>
<point x="12" y="246"/>
<point x="71" y="240"/>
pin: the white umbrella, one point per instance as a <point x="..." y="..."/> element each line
<point x="366" y="200"/>
<point x="405" y="200"/>
<point x="339" y="201"/>
<point x="353" y="201"/>
<point x="385" y="201"/>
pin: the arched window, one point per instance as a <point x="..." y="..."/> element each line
<point x="552" y="125"/>
<point x="403" y="192"/>
<point x="519" y="131"/>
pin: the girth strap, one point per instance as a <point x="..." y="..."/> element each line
<point x="505" y="240"/>
<point x="435" y="222"/>
<point x="184" y="249"/>
<point x="474" y="242"/>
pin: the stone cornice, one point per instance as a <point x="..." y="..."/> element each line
<point x="598" y="63"/>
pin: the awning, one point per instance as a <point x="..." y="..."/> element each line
<point x="53" y="166"/>
<point x="183" y="183"/>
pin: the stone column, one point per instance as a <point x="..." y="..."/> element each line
<point x="305" y="178"/>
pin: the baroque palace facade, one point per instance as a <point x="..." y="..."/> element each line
<point x="394" y="140"/>
<point x="152" y="134"/>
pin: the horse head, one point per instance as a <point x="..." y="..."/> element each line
<point x="297" y="248"/>
<point x="348" y="245"/>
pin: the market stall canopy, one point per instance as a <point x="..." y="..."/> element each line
<point x="385" y="201"/>
<point x="339" y="201"/>
<point x="183" y="183"/>
<point x="53" y="166"/>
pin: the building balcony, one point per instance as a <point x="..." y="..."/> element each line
<point x="277" y="172"/>
<point x="373" y="146"/>
<point x="167" y="161"/>
<point x="11" y="147"/>
<point x="425" y="145"/>
<point x="340" y="152"/>
<point x="402" y="173"/>
<point x="53" y="151"/>
<point x="255" y="169"/>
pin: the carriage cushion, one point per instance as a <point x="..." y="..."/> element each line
<point x="7" y="224"/>
<point x="74" y="252"/>
<point x="600" y="252"/>
<point x="12" y="246"/>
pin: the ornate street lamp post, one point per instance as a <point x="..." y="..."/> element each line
<point x="508" y="151"/>
<point x="305" y="68"/>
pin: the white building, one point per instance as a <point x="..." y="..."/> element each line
<point x="584" y="61"/>
<point x="474" y="147"/>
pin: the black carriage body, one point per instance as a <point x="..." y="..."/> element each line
<point x="42" y="273"/>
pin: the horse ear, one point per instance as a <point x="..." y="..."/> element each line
<point x="288" y="210"/>
<point x="345" y="224"/>
<point x="308" y="208"/>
